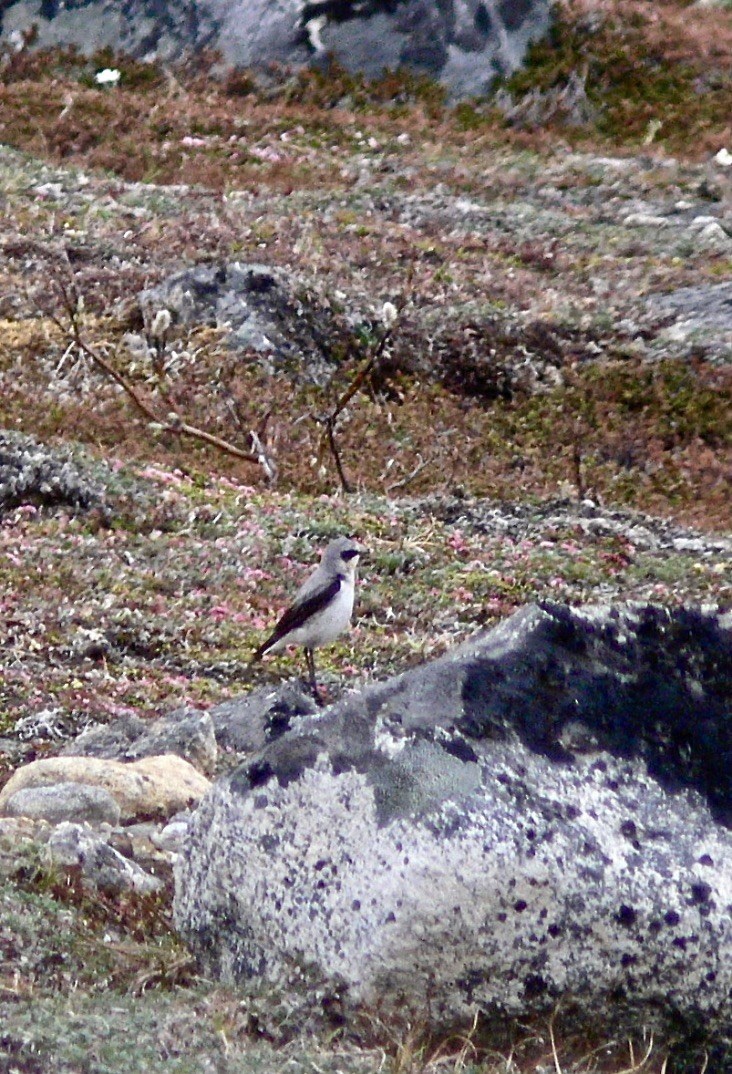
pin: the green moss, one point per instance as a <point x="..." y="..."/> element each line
<point x="637" y="89"/>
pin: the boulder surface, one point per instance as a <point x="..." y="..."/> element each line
<point x="464" y="43"/>
<point x="542" y="815"/>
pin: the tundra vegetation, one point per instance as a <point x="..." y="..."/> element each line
<point x="522" y="370"/>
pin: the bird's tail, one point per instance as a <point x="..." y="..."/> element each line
<point x="259" y="653"/>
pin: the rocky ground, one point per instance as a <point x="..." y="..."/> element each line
<point x="550" y="417"/>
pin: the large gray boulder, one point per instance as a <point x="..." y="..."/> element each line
<point x="541" y="815"/>
<point x="464" y="43"/>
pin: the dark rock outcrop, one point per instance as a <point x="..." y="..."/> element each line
<point x="265" y="311"/>
<point x="463" y="43"/>
<point x="543" y="814"/>
<point x="246" y="724"/>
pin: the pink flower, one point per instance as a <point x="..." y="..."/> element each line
<point x="457" y="541"/>
<point x="252" y="574"/>
<point x="267" y="153"/>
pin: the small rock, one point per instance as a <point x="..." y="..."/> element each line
<point x="111" y="741"/>
<point x="151" y="787"/>
<point x="714" y="234"/>
<point x="186" y="733"/>
<point x="263" y="308"/>
<point x="689" y="544"/>
<point x="15" y="753"/>
<point x="64" y="801"/>
<point x="76" y="845"/>
<point x="138" y="842"/>
<point x="172" y="837"/>
<point x="707" y="306"/>
<point x="646" y="220"/>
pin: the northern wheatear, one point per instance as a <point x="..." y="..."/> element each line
<point x="322" y="607"/>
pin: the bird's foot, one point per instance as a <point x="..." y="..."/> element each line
<point x="320" y="695"/>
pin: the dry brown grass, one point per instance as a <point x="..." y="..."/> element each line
<point x="678" y="31"/>
<point x="655" y="438"/>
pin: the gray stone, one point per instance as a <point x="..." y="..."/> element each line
<point x="245" y="724"/>
<point x="64" y="801"/>
<point x="542" y="814"/>
<point x="186" y="733"/>
<point x="264" y="309"/>
<point x="139" y="843"/>
<point x="33" y="473"/>
<point x="171" y="838"/>
<point x="463" y="43"/>
<point x="111" y="741"/>
<point x="703" y="312"/>
<point x="14" y="753"/>
<point x="77" y="846"/>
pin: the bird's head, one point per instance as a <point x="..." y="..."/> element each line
<point x="342" y="556"/>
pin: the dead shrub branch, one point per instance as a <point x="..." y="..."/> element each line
<point x="70" y="324"/>
<point x="328" y="421"/>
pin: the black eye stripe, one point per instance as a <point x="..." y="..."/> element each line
<point x="350" y="553"/>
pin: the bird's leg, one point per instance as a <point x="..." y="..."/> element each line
<point x="310" y="657"/>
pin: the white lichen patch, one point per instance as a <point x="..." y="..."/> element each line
<point x="545" y="880"/>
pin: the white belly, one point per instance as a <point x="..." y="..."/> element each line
<point x="325" y="626"/>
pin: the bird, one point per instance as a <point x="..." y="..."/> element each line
<point x="322" y="607"/>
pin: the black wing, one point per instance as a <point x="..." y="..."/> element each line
<point x="299" y="613"/>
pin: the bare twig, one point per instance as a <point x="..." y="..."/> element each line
<point x="328" y="421"/>
<point x="171" y="423"/>
<point x="175" y="970"/>
<point x="634" y="1067"/>
<point x="555" y="1056"/>
<point x="421" y="465"/>
<point x="330" y="433"/>
<point x="265" y="460"/>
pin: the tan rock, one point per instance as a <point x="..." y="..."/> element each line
<point x="151" y="787"/>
